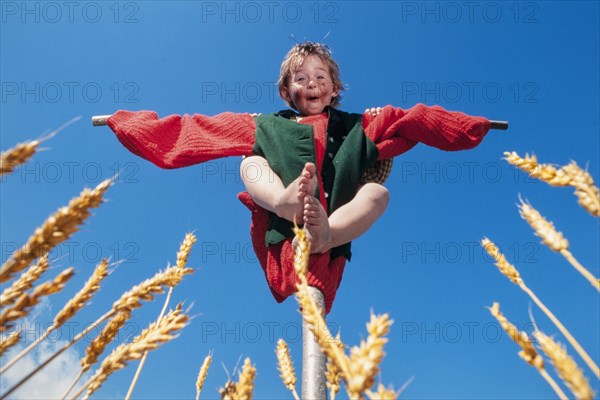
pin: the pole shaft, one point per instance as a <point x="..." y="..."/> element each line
<point x="313" y="359"/>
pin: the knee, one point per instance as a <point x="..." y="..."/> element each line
<point x="379" y="195"/>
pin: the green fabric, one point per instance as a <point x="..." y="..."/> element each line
<point x="288" y="146"/>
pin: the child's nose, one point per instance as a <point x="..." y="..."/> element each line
<point x="312" y="83"/>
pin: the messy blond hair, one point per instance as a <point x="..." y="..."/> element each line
<point x="294" y="59"/>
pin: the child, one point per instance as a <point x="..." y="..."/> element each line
<point x="318" y="157"/>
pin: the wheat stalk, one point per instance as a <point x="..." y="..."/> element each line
<point x="286" y="367"/>
<point x="55" y="230"/>
<point x="9" y="341"/>
<point x="365" y="359"/>
<point x="569" y="175"/>
<point x="528" y="352"/>
<point x="25" y="282"/>
<point x="202" y="374"/>
<point x="67" y="312"/>
<point x="565" y="366"/>
<point x="26" y="301"/>
<point x="149" y="339"/>
<point x="553" y="239"/>
<point x="123" y="307"/>
<point x="182" y="256"/>
<point x="511" y="272"/>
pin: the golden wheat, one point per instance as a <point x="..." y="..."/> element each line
<point x="96" y="348"/>
<point x="25" y="282"/>
<point x="146" y="290"/>
<point x="504" y="266"/>
<point x="245" y="385"/>
<point x="528" y="352"/>
<point x="570" y="175"/>
<point x="202" y="374"/>
<point x="20" y="154"/>
<point x="9" y="341"/>
<point x="586" y="191"/>
<point x="55" y="230"/>
<point x="553" y="239"/>
<point x="565" y="366"/>
<point x="365" y="359"/>
<point x="286" y="367"/>
<point x="84" y="295"/>
<point x="511" y="272"/>
<point x="382" y="393"/>
<point x="182" y="256"/>
<point x="184" y="250"/>
<point x="149" y="339"/>
<point x="26" y="301"/>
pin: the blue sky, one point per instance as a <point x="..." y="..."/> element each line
<point x="534" y="64"/>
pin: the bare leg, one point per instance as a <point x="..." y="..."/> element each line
<point x="267" y="189"/>
<point x="347" y="222"/>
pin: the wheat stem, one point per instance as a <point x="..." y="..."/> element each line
<point x="554" y="385"/>
<point x="182" y="256"/>
<point x="149" y="339"/>
<point x="57" y="353"/>
<point x="582" y="353"/>
<point x="580" y="268"/>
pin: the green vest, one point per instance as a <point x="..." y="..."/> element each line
<point x="288" y="146"/>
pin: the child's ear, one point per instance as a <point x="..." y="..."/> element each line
<point x="285" y="94"/>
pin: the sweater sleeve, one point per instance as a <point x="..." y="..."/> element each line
<point x="395" y="131"/>
<point x="179" y="141"/>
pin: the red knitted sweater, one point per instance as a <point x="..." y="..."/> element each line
<point x="179" y="141"/>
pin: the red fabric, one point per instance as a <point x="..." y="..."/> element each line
<point x="175" y="141"/>
<point x="396" y="131"/>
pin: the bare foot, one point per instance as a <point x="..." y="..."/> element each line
<point x="290" y="204"/>
<point x="316" y="222"/>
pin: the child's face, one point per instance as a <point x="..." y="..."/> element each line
<point x="310" y="87"/>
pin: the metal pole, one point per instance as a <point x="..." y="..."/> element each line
<point x="100" y="120"/>
<point x="500" y="125"/>
<point x="313" y="360"/>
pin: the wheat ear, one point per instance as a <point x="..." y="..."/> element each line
<point x="365" y="359"/>
<point x="55" y="230"/>
<point x="9" y="341"/>
<point x="202" y="374"/>
<point x="511" y="272"/>
<point x="25" y="282"/>
<point x="69" y="310"/>
<point x="149" y="339"/>
<point x="553" y="239"/>
<point x="586" y="191"/>
<point x="26" y="301"/>
<point x="21" y="153"/>
<point x="182" y="256"/>
<point x="382" y="393"/>
<point x="528" y="352"/>
<point x="245" y="384"/>
<point x="570" y="175"/>
<point x="286" y="367"/>
<point x="565" y="366"/>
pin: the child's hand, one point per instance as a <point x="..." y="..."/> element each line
<point x="374" y="111"/>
